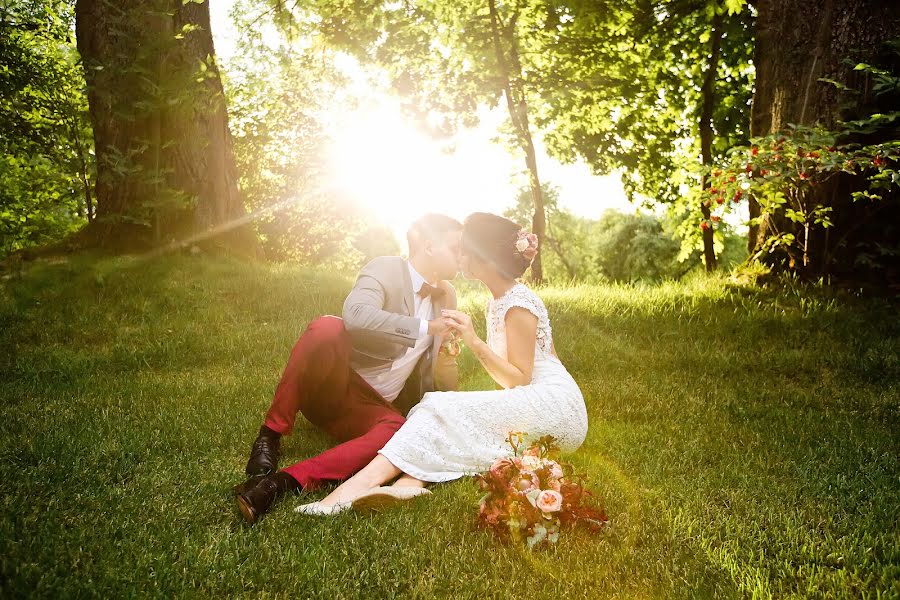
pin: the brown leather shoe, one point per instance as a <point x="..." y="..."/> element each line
<point x="264" y="453"/>
<point x="256" y="496"/>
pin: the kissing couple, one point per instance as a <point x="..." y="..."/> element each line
<point x="370" y="379"/>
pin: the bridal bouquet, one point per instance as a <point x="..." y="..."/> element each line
<point x="531" y="495"/>
<point x="452" y="345"/>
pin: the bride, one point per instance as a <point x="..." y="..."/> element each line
<point x="452" y="434"/>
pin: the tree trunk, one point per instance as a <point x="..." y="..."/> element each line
<point x="706" y="132"/>
<point x="518" y="113"/>
<point x="539" y="220"/>
<point x="798" y="44"/>
<point x="165" y="166"/>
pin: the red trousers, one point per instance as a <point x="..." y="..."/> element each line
<point x="319" y="383"/>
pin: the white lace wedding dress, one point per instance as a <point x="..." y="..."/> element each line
<point x="452" y="434"/>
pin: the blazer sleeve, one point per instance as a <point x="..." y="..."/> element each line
<point x="446" y="369"/>
<point x="364" y="309"/>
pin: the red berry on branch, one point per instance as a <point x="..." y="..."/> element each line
<point x="832" y="148"/>
<point x="720" y="200"/>
<point x="879" y="162"/>
<point x="731" y="179"/>
<point x="814" y="154"/>
<point x="754" y="150"/>
<point x="804" y="176"/>
<point x="737" y="195"/>
<point x="704" y="225"/>
<point x="716" y="218"/>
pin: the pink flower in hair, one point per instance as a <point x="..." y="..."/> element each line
<point x="527" y="244"/>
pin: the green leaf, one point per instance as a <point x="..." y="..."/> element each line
<point x="735" y="6"/>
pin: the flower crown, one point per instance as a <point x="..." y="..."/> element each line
<point x="527" y="244"/>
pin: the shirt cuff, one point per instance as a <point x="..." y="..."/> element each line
<point x="423" y="328"/>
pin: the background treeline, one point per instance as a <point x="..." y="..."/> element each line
<point x="47" y="166"/>
<point x="121" y="130"/>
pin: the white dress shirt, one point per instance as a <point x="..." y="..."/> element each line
<point x="389" y="382"/>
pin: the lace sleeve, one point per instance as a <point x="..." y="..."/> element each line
<point x="523" y="299"/>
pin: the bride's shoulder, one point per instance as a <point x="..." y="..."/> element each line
<point x="520" y="290"/>
<point x="522" y="296"/>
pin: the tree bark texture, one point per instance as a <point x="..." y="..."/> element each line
<point x="797" y="44"/>
<point x="165" y="166"/>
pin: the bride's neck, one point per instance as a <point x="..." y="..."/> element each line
<point x="498" y="285"/>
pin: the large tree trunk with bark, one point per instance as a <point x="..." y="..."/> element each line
<point x="798" y="44"/>
<point x="165" y="167"/>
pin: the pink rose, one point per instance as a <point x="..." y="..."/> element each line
<point x="527" y="244"/>
<point x="556" y="471"/>
<point x="500" y="463"/>
<point x="549" y="501"/>
<point x="503" y="468"/>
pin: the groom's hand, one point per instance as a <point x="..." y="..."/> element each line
<point x="439" y="326"/>
<point x="462" y="324"/>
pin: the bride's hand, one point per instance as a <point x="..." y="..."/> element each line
<point x="462" y="323"/>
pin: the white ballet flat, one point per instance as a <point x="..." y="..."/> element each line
<point x="385" y="497"/>
<point x="323" y="510"/>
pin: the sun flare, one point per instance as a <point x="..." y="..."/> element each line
<point x="397" y="172"/>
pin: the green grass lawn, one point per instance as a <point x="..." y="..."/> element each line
<point x="745" y="443"/>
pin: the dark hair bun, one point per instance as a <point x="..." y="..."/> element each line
<point x="492" y="239"/>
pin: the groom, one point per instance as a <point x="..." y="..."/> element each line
<point x="356" y="378"/>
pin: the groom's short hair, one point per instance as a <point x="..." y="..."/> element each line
<point x="429" y="227"/>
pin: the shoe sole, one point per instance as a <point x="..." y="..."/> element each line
<point x="378" y="501"/>
<point x="375" y="502"/>
<point x="246" y="510"/>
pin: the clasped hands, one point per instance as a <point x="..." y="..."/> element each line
<point x="455" y="324"/>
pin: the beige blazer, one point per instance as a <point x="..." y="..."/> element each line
<point x="378" y="316"/>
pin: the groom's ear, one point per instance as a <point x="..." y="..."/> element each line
<point x="428" y="247"/>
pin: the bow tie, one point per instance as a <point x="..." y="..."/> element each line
<point x="430" y="290"/>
